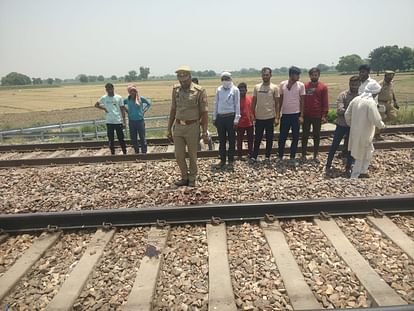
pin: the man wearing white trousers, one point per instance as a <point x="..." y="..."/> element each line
<point x="362" y="116"/>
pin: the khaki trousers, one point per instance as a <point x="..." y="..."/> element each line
<point x="187" y="135"/>
<point x="391" y="112"/>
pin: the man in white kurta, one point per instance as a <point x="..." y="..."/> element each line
<point x="362" y="116"/>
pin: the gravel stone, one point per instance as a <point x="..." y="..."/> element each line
<point x="116" y="272"/>
<point x="330" y="279"/>
<point x="183" y="283"/>
<point x="405" y="223"/>
<point x="389" y="261"/>
<point x="37" y="288"/>
<point x="121" y="185"/>
<point x="257" y="284"/>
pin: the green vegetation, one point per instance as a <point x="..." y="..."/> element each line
<point x="405" y="116"/>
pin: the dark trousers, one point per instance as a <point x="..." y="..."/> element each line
<point x="137" y="128"/>
<point x="225" y="130"/>
<point x="240" y="137"/>
<point x="287" y="122"/>
<point x="316" y="134"/>
<point x="267" y="125"/>
<point x="340" y="133"/>
<point x="110" y="128"/>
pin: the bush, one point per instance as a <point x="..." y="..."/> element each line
<point x="405" y="115"/>
<point x="331" y="115"/>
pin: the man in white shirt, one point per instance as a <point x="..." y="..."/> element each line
<point x="364" y="71"/>
<point x="226" y="116"/>
<point x="362" y="116"/>
<point x="114" y="107"/>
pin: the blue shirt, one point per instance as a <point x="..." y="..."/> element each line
<point x="136" y="112"/>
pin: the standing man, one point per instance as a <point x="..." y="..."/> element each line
<point x="265" y="108"/>
<point x="316" y="110"/>
<point x="246" y="121"/>
<point x="362" y="116"/>
<point x="342" y="129"/>
<point x="386" y="98"/>
<point x="137" y="106"/>
<point x="292" y="93"/>
<point x="113" y="105"/>
<point x="188" y="107"/>
<point x="364" y="71"/>
<point x="226" y="116"/>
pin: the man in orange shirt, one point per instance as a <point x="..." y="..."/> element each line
<point x="245" y="122"/>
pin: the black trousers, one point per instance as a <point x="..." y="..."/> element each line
<point x="225" y="130"/>
<point x="110" y="129"/>
<point x="267" y="125"/>
<point x="316" y="134"/>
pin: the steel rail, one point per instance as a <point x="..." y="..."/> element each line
<point x="151" y="141"/>
<point x="409" y="307"/>
<point x="163" y="156"/>
<point x="204" y="213"/>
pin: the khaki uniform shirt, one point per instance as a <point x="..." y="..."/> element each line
<point x="386" y="93"/>
<point x="189" y="104"/>
<point x="266" y="96"/>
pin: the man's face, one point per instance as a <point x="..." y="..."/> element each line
<point x="314" y="76"/>
<point x="186" y="83"/>
<point x="266" y="75"/>
<point x="109" y="90"/>
<point x="294" y="77"/>
<point x="363" y="75"/>
<point x="354" y="85"/>
<point x="388" y="78"/>
<point x="243" y="91"/>
<point x="133" y="93"/>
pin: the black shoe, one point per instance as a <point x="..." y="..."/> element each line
<point x="221" y="164"/>
<point x="182" y="182"/>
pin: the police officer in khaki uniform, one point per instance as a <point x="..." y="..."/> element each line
<point x="188" y="110"/>
<point x="387" y="103"/>
<point x="386" y="97"/>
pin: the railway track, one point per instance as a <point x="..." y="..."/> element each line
<point x="301" y="255"/>
<point x="97" y="151"/>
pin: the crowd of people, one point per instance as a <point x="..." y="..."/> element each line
<point x="361" y="113"/>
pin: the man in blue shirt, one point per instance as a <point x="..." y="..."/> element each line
<point x="113" y="106"/>
<point x="137" y="106"/>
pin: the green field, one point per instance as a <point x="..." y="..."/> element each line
<point x="25" y="107"/>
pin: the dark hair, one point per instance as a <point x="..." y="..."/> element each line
<point x="109" y="85"/>
<point x="364" y="67"/>
<point x="194" y="80"/>
<point x="314" y="69"/>
<point x="354" y="78"/>
<point x="294" y="71"/>
<point x="242" y="84"/>
<point x="266" y="69"/>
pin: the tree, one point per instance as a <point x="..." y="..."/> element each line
<point x="143" y="73"/>
<point x="15" y="78"/>
<point x="323" y="67"/>
<point x="114" y="78"/>
<point x="57" y="80"/>
<point x="82" y="78"/>
<point x="92" y="78"/>
<point x="391" y="58"/>
<point x="132" y="76"/>
<point x="349" y="63"/>
<point x="101" y="78"/>
<point x="49" y="81"/>
<point x="37" y="81"/>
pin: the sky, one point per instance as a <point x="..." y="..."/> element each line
<point x="61" y="39"/>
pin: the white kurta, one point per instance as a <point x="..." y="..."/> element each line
<point x="362" y="116"/>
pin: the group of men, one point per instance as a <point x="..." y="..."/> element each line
<point x="237" y="115"/>
<point x="116" y="108"/>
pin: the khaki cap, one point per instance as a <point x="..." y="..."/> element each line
<point x="183" y="73"/>
<point x="389" y="72"/>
